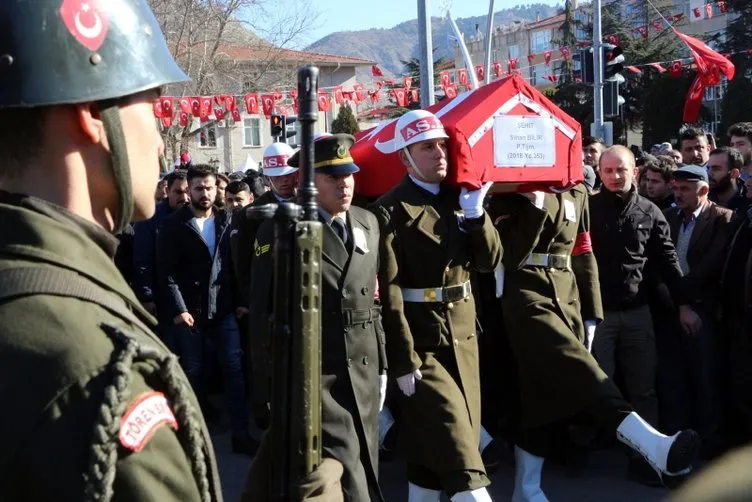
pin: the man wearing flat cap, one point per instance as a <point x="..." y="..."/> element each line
<point x="689" y="365"/>
<point x="353" y="361"/>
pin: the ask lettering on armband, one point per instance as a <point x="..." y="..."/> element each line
<point x="582" y="244"/>
<point x="142" y="419"/>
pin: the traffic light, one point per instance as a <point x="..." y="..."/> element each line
<point x="613" y="63"/>
<point x="586" y="65"/>
<point x="278" y="126"/>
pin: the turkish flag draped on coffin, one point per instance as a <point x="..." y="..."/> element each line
<point x="506" y="132"/>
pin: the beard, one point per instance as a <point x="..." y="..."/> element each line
<point x="721" y="185"/>
<point x="201" y="204"/>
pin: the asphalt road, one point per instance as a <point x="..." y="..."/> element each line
<point x="604" y="480"/>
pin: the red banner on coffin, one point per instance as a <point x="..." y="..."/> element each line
<point x="469" y="120"/>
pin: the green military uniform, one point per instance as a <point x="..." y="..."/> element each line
<point x="352" y="343"/>
<point x="550" y="287"/>
<point x="424" y="247"/>
<point x="70" y="368"/>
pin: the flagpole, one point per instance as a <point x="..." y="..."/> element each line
<point x="489" y="36"/>
<point x="465" y="53"/>
<point x="597" y="129"/>
<point x="425" y="41"/>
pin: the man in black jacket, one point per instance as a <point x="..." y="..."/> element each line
<point x="627" y="231"/>
<point x="196" y="290"/>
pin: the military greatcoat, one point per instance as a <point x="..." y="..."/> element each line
<point x="352" y="353"/>
<point x="89" y="394"/>
<point x="424" y="245"/>
<point x="544" y="308"/>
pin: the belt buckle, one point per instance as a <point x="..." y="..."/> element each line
<point x="558" y="261"/>
<point x="429" y="295"/>
<point x="539" y="260"/>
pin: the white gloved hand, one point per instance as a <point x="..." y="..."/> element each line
<point x="382" y="390"/>
<point x="407" y="382"/>
<point x="471" y="201"/>
<point x="499" y="276"/>
<point x="589" y="334"/>
<point x="537" y="198"/>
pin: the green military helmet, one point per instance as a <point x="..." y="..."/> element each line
<point x="75" y="51"/>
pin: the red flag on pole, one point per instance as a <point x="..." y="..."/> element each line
<point x="376" y="71"/>
<point x="705" y="57"/>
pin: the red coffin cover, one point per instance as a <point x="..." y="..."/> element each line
<point x="469" y="121"/>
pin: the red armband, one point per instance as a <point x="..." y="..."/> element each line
<point x="376" y="290"/>
<point x="582" y="244"/>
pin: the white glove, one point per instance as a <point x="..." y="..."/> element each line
<point x="382" y="390"/>
<point x="471" y="201"/>
<point x="537" y="198"/>
<point x="407" y="382"/>
<point x="499" y="276"/>
<point x="589" y="334"/>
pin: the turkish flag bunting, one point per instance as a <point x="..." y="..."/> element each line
<point x="374" y="95"/>
<point x="547" y="57"/>
<point x="167" y="121"/>
<point x="206" y="106"/>
<point x="446" y="80"/>
<point x="578" y="80"/>
<point x="463" y="78"/>
<point x="407" y="82"/>
<point x="348" y="95"/>
<point x="678" y="17"/>
<point x="230" y="103"/>
<point x="676" y="68"/>
<point x="415" y="95"/>
<point x="552" y="78"/>
<point x="643" y="31"/>
<point x="696" y="12"/>
<point x="158" y="110"/>
<point x="513" y="64"/>
<point x="583" y="43"/>
<point x="236" y="115"/>
<point x="376" y="72"/>
<point x="480" y="71"/>
<point x="634" y="70"/>
<point x="451" y="91"/>
<point x="267" y="104"/>
<point x="658" y="26"/>
<point x="339" y="98"/>
<point x="219" y="113"/>
<point x="612" y="39"/>
<point x="167" y="106"/>
<point x="401" y="97"/>
<point x="360" y="95"/>
<point x="709" y="10"/>
<point x="196" y="107"/>
<point x="722" y="7"/>
<point x="185" y="104"/>
<point x="252" y="103"/>
<point x="325" y="102"/>
<point x="658" y="67"/>
<point x="530" y="58"/>
<point x="219" y="99"/>
<point x="497" y="69"/>
<point x="184" y="119"/>
<point x="565" y="53"/>
<point x="278" y="96"/>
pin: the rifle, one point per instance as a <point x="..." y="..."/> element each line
<point x="295" y="429"/>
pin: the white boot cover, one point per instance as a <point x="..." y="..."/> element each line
<point x="477" y="495"/>
<point x="651" y="444"/>
<point x="527" y="477"/>
<point x="417" y="493"/>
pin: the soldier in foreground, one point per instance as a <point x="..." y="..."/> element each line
<point x="110" y="415"/>
<point x="432" y="236"/>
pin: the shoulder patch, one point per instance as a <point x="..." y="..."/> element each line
<point x="261" y="248"/>
<point x="147" y="413"/>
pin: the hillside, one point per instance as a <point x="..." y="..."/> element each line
<point x="389" y="46"/>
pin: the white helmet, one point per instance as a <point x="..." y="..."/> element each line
<point x="416" y="126"/>
<point x="320" y="135"/>
<point x="276" y="156"/>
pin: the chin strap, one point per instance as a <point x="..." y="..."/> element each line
<point x="119" y="162"/>
<point x="414" y="165"/>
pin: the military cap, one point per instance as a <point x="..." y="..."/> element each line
<point x="691" y="172"/>
<point x="331" y="155"/>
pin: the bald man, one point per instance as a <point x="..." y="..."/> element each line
<point x="628" y="231"/>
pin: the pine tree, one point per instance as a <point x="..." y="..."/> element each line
<point x="345" y="121"/>
<point x="736" y="105"/>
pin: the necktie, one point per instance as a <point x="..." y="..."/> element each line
<point x="340" y="230"/>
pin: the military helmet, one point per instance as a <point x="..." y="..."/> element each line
<point x="416" y="126"/>
<point x="55" y="52"/>
<point x="76" y="51"/>
<point x="276" y="157"/>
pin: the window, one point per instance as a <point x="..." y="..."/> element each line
<point x="252" y="131"/>
<point x="540" y="41"/>
<point x="207" y="138"/>
<point x="514" y="52"/>
<point x="539" y="75"/>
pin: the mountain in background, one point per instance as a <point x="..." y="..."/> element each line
<point x="388" y="47"/>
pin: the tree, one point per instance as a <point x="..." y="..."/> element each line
<point x="204" y="35"/>
<point x="736" y="106"/>
<point x="412" y="69"/>
<point x="345" y="121"/>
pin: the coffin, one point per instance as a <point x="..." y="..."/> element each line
<point x="506" y="132"/>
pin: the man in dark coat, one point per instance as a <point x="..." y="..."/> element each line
<point x="196" y="288"/>
<point x="352" y="345"/>
<point x="432" y="237"/>
<point x="282" y="179"/>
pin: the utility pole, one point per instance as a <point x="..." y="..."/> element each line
<point x="489" y="38"/>
<point x="426" y="54"/>
<point x="597" y="128"/>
